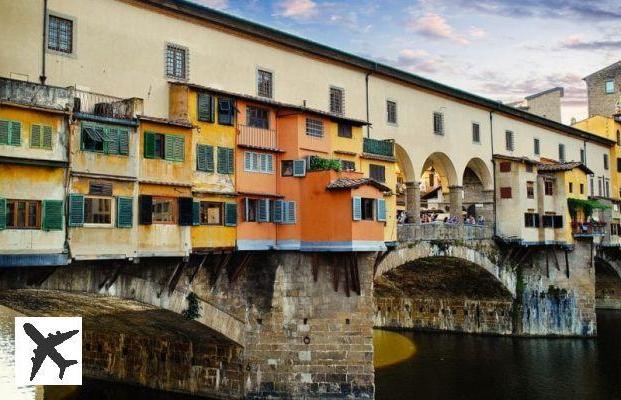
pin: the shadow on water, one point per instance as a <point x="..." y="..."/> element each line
<point x="452" y="366"/>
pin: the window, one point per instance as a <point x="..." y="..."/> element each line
<point x="438" y="123"/>
<point x="284" y="212"/>
<point x="530" y="190"/>
<point x="258" y="162"/>
<point x="10" y="132"/>
<point x="348" y="165"/>
<point x="509" y="144"/>
<point x="368" y="205"/>
<point x="377" y="172"/>
<point x="529" y="168"/>
<point x="161" y="146"/>
<point x="257" y="117"/>
<point x="251" y="210"/>
<point x="606" y="161"/>
<point x="505" y="166"/>
<point x="607" y="188"/>
<point x="609" y="86"/>
<point x="561" y="152"/>
<point x="264" y="83"/>
<point x="552" y="221"/>
<point x="176" y="62"/>
<point x="599" y="186"/>
<point x="23" y="214"/>
<point x="571" y="187"/>
<point x="286" y="168"/>
<point x="531" y="220"/>
<point x="582" y="188"/>
<point x="204" y="158"/>
<point x="258" y="210"/>
<point x="60" y="34"/>
<point x="548" y="188"/>
<point x="205" y="107"/>
<point x="225" y="111"/>
<point x="345" y="130"/>
<point x="314" y="127"/>
<point x="618" y="164"/>
<point x="105" y="139"/>
<point x="211" y="213"/>
<point x="97" y="210"/>
<point x="536" y="145"/>
<point x="391" y="112"/>
<point x="41" y="136"/>
<point x="505" y="193"/>
<point x="582" y="156"/>
<point x="226" y="160"/>
<point x="337" y="105"/>
<point x="164" y="210"/>
<point x="591" y="187"/>
<point x="476" y="132"/>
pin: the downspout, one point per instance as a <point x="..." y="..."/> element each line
<point x="366" y="84"/>
<point x="43" y="77"/>
<point x="491" y="135"/>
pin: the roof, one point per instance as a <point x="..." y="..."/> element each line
<point x="524" y="160"/>
<point x="181" y="124"/>
<point x="274" y="103"/>
<point x="566" y="166"/>
<point x="372" y="67"/>
<point x="611" y="66"/>
<point x="556" y="89"/>
<point x="348" y="183"/>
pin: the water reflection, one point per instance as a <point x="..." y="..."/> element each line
<point x="8" y="390"/>
<point x="448" y="366"/>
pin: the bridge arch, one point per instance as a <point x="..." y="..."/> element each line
<point x="405" y="164"/>
<point x="478" y="186"/>
<point x="441" y="164"/>
<point x="423" y="250"/>
<point x="478" y="167"/>
<point x="607" y="281"/>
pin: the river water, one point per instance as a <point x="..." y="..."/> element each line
<point x="451" y="366"/>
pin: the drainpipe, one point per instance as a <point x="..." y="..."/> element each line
<point x="366" y="83"/>
<point x="43" y="77"/>
<point x="491" y="135"/>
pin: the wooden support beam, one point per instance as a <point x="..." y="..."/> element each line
<point x="240" y="267"/>
<point x="566" y="264"/>
<point x="198" y="267"/>
<point x="223" y="262"/>
<point x="355" y="273"/>
<point x="335" y="277"/>
<point x="41" y="277"/>
<point x="172" y="279"/>
<point x="347" y="268"/>
<point x="507" y="256"/>
<point x="558" y="265"/>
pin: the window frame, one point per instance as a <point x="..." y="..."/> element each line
<point x="207" y="204"/>
<point x="174" y="210"/>
<point x="345" y="128"/>
<point x="259" y="72"/>
<point x="255" y="162"/>
<point x="506" y="192"/>
<point x="251" y="120"/>
<point x="336" y="108"/>
<point x="606" y="87"/>
<point x="509" y="140"/>
<point x="286" y="165"/>
<point x="377" y="167"/>
<point x="38" y="214"/>
<point x="606" y="162"/>
<point x="536" y="146"/>
<point x="548" y="188"/>
<point x="438" y="128"/>
<point x="562" y="155"/>
<point x="369" y="202"/>
<point x="317" y="131"/>
<point x="57" y="50"/>
<point x="176" y="48"/>
<point x="530" y="189"/>
<point x="349" y="163"/>
<point x="476" y="133"/>
<point x="394" y="120"/>
<point x="110" y="224"/>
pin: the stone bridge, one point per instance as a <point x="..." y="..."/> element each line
<point x="608" y="278"/>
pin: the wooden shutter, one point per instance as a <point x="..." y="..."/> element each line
<point x="263" y="210"/>
<point x="246" y="208"/>
<point x="111" y="141"/>
<point x="53" y="215"/>
<point x="124" y="212"/>
<point x="230" y="214"/>
<point x="15" y="133"/>
<point x="205" y="107"/>
<point x="230" y="161"/>
<point x="35" y="135"/>
<point x="169" y="147"/>
<point x="2" y="214"/>
<point x="100" y="188"/>
<point x="201" y="157"/>
<point x="356" y="208"/>
<point x="4" y="132"/>
<point x="223" y="161"/>
<point x="124" y="142"/>
<point x="76" y="210"/>
<point x="505" y="192"/>
<point x="196" y="213"/>
<point x="291" y="211"/>
<point x="149" y="145"/>
<point x="146" y="209"/>
<point x="179" y="142"/>
<point x="381" y="209"/>
<point x="46" y="140"/>
<point x="278" y="211"/>
<point x="299" y="167"/>
<point x="248" y="161"/>
<point x="185" y="211"/>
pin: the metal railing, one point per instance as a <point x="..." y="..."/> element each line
<point x="34" y="94"/>
<point x="443" y="231"/>
<point x="106" y="106"/>
<point x="257" y="137"/>
<point x="379" y="147"/>
<point x="588" y="228"/>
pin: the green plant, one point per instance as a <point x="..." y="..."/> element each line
<point x="324" y="164"/>
<point x="587" y="206"/>
<point x="193" y="310"/>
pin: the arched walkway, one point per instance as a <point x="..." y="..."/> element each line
<point x="478" y="190"/>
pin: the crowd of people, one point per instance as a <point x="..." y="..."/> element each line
<point x="428" y="218"/>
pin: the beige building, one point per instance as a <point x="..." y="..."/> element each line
<point x="546" y="104"/>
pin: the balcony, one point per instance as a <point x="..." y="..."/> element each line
<point x="588" y="229"/>
<point x="443" y="232"/>
<point x="36" y="95"/>
<point x="106" y="106"/>
<point x="384" y="148"/>
<point x="260" y="138"/>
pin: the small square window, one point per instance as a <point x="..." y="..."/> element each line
<point x="345" y="130"/>
<point x="97" y="210"/>
<point x="609" y="86"/>
<point x="176" y="62"/>
<point x="60" y="34"/>
<point x="257" y="117"/>
<point x="530" y="190"/>
<point x="505" y="166"/>
<point x="348" y="165"/>
<point x="505" y="193"/>
<point x="210" y="213"/>
<point x="286" y="168"/>
<point x="391" y="112"/>
<point x="163" y="210"/>
<point x="265" y="83"/>
<point x="337" y="101"/>
<point x="314" y="127"/>
<point x="377" y="172"/>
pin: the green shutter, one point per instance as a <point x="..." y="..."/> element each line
<point x="4" y="132"/>
<point x="226" y="161"/>
<point x="15" y="133"/>
<point x="231" y="161"/>
<point x="230" y="214"/>
<point x="149" y="145"/>
<point x="381" y="210"/>
<point x="35" y="135"/>
<point x="52" y="215"/>
<point x="205" y="107"/>
<point x="2" y="214"/>
<point x="124" y="212"/>
<point x="209" y="159"/>
<point x="111" y="141"/>
<point x="123" y="142"/>
<point x="204" y="158"/>
<point x="169" y="147"/>
<point x="196" y="213"/>
<point x="46" y="140"/>
<point x="180" y="148"/>
<point x="356" y="208"/>
<point x="76" y="210"/>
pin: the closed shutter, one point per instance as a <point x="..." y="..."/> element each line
<point x="263" y="210"/>
<point x="291" y="212"/>
<point x="210" y="163"/>
<point x="246" y="209"/>
<point x="111" y="141"/>
<point x="205" y="107"/>
<point x="381" y="209"/>
<point x="15" y="133"/>
<point x="149" y="145"/>
<point x="248" y="161"/>
<point x="169" y="147"/>
<point x="185" y="210"/>
<point x="46" y="139"/>
<point x="76" y="210"/>
<point x="196" y="213"/>
<point x="230" y="214"/>
<point x="231" y="161"/>
<point x="2" y="214"/>
<point x="123" y="142"/>
<point x="179" y="148"/>
<point x="278" y="211"/>
<point x="558" y="221"/>
<point x="124" y="212"/>
<point x="356" y="208"/>
<point x="299" y="167"/>
<point x="35" y="136"/>
<point x="146" y="209"/>
<point x="52" y="215"/>
<point x="223" y="161"/>
<point x="4" y="132"/>
<point x="201" y="158"/>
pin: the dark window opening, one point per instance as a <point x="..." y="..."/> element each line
<point x="367" y="209"/>
<point x="211" y="213"/>
<point x="377" y="172"/>
<point x="23" y="214"/>
<point x="257" y="117"/>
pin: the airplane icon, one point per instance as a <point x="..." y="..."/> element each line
<point x="46" y="348"/>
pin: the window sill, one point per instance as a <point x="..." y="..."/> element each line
<point x="106" y="226"/>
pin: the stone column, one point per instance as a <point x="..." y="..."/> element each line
<point x="456" y="195"/>
<point x="412" y="201"/>
<point x="488" y="206"/>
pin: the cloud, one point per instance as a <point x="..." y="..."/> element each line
<point x="477" y="33"/>
<point x="417" y="61"/>
<point x="434" y="26"/>
<point x="217" y="4"/>
<point x="576" y="42"/>
<point x="297" y="9"/>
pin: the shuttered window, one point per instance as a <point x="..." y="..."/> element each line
<point x="196" y="213"/>
<point x="263" y="210"/>
<point x="356" y="208"/>
<point x="204" y="158"/>
<point x="186" y="206"/>
<point x="105" y="139"/>
<point x="52" y="215"/>
<point x="10" y="132"/>
<point x="76" y="210"/>
<point x="509" y="141"/>
<point x="258" y="162"/>
<point x="381" y="209"/>
<point x="225" y="111"/>
<point x="230" y="214"/>
<point x="161" y="146"/>
<point x="299" y="167"/>
<point x="284" y="212"/>
<point x="205" y="107"/>
<point x="41" y="136"/>
<point x="146" y="209"/>
<point x="278" y="211"/>
<point x="226" y="160"/>
<point x="2" y="213"/>
<point x="124" y="212"/>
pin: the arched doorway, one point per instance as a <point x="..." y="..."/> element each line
<point x="607" y="285"/>
<point x="478" y="191"/>
<point x="440" y="190"/>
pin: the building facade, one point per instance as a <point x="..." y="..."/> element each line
<point x="604" y="90"/>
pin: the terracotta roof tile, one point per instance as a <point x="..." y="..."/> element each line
<point x="347" y="183"/>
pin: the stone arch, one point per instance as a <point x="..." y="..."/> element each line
<point x="478" y="189"/>
<point x="408" y="254"/>
<point x="480" y="169"/>
<point x="441" y="163"/>
<point x="405" y="164"/>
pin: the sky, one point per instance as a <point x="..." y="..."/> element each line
<point x="501" y="49"/>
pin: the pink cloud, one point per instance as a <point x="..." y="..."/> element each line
<point x="297" y="9"/>
<point x="572" y="40"/>
<point x="477" y="33"/>
<point x="435" y="26"/>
